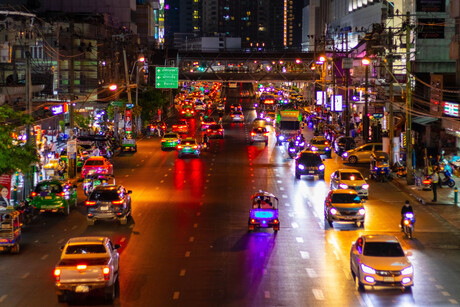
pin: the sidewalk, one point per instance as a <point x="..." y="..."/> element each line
<point x="444" y="207"/>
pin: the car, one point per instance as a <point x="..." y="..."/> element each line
<point x="259" y="122"/>
<point x="270" y="118"/>
<point x="309" y="163"/>
<point x="200" y="106"/>
<point x="259" y="134"/>
<point x="379" y="260"/>
<point x="344" y="206"/>
<point x="97" y="164"/>
<point x="361" y="154"/>
<point x="350" y="179"/>
<point x="237" y="116"/>
<point x="215" y="131"/>
<point x="170" y="140"/>
<point x="87" y="265"/>
<point x="221" y="106"/>
<point x="236" y="107"/>
<point x="321" y="145"/>
<point x="187" y="111"/>
<point x="181" y="127"/>
<point x="54" y="196"/>
<point x="159" y="125"/>
<point x="343" y="143"/>
<point x="109" y="202"/>
<point x="188" y="147"/>
<point x="206" y="122"/>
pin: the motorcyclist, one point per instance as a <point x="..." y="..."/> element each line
<point x="221" y="114"/>
<point x="407" y="208"/>
<point x="206" y="140"/>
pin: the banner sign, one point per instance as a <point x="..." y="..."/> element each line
<point x="128" y="121"/>
<point x="337" y="106"/>
<point x="431" y="6"/>
<point x="451" y="109"/>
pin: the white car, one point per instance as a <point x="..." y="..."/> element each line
<point x="350" y="179"/>
<point x="379" y="260"/>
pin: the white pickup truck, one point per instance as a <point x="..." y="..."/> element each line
<point x="87" y="264"/>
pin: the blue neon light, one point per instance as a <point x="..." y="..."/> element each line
<point x="264" y="214"/>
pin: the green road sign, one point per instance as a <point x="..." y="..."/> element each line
<point x="166" y="77"/>
<point x="116" y="103"/>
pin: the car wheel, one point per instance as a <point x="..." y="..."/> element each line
<point x="15" y="249"/>
<point x="62" y="298"/>
<point x="359" y="284"/>
<point x="266" y="143"/>
<point x="110" y="293"/>
<point x="330" y="223"/>
<point x="135" y="148"/>
<point x="407" y="289"/>
<point x="321" y="177"/>
<point x="353" y="160"/>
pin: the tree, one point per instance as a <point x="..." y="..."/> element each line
<point x="13" y="154"/>
<point x="151" y="100"/>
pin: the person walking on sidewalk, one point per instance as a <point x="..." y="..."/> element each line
<point x="434" y="183"/>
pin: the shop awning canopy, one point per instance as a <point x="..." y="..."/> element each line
<point x="423" y="120"/>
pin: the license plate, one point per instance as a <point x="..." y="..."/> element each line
<point x="311" y="172"/>
<point x="104" y="208"/>
<point x="82" y="289"/>
<point x="48" y="197"/>
<point x="4" y="241"/>
<point x="389" y="279"/>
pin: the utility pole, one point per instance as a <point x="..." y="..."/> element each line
<point x="30" y="139"/>
<point x="390" y="117"/>
<point x="72" y="156"/>
<point x="128" y="88"/>
<point x="410" y="170"/>
<point x="347" y="80"/>
<point x="366" y="104"/>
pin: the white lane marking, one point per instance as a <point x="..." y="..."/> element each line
<point x="277" y="175"/>
<point x="169" y="169"/>
<point x="166" y="175"/>
<point x="210" y="168"/>
<point x="44" y="257"/>
<point x="25" y="275"/>
<point x="3" y="297"/>
<point x="74" y="227"/>
<point x="311" y="273"/>
<point x="142" y="160"/>
<point x="299" y="239"/>
<point x="287" y="204"/>
<point x="132" y="170"/>
<point x="279" y="181"/>
<point x="176" y="295"/>
<point x="314" y="213"/>
<point x="195" y="225"/>
<point x="445" y="293"/>
<point x="126" y="175"/>
<point x="452" y="301"/>
<point x="157" y="188"/>
<point x="267" y="294"/>
<point x="432" y="279"/>
<point x="304" y="255"/>
<point x="439" y="287"/>
<point x="294" y="225"/>
<point x="253" y="180"/>
<point x="291" y="214"/>
<point x="209" y="175"/>
<point x="123" y="240"/>
<point x="182" y="272"/>
<point x="207" y="180"/>
<point x="336" y="254"/>
<point x="285" y="196"/>
<point x="191" y="239"/>
<point x="187" y="254"/>
<point x="360" y="299"/>
<point x="162" y="181"/>
<point x="281" y="189"/>
<point x="137" y="165"/>
<point x="318" y="293"/>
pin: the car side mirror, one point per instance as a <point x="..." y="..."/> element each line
<point x="408" y="253"/>
<point x="366" y="178"/>
<point x="130" y="192"/>
<point x="117" y="246"/>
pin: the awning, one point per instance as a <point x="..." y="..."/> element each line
<point x="423" y="120"/>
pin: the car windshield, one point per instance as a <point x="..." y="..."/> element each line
<point x="84" y="249"/>
<point x="351" y="176"/>
<point x="310" y="159"/>
<point x="289" y="125"/>
<point x="104" y="195"/>
<point x="94" y="162"/>
<point x="383" y="249"/>
<point x="170" y="136"/>
<point x="259" y="130"/>
<point x="319" y="142"/>
<point x="208" y="120"/>
<point x="189" y="142"/>
<point x="48" y="187"/>
<point x="214" y="127"/>
<point x="346" y="198"/>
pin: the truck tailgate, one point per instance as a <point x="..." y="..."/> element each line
<point x="82" y="271"/>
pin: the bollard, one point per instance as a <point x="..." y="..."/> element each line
<point x="455" y="196"/>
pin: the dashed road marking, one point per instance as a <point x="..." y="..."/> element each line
<point x="60" y="241"/>
<point x="294" y="225"/>
<point x="207" y="180"/>
<point x="169" y="169"/>
<point x="176" y="295"/>
<point x="187" y="254"/>
<point x="25" y="275"/>
<point x="166" y="175"/>
<point x="157" y="188"/>
<point x="142" y="160"/>
<point x="162" y="181"/>
<point x="209" y="175"/>
<point x="267" y="294"/>
<point x="445" y="293"/>
<point x="74" y="227"/>
<point x="252" y="180"/>
<point x="198" y="213"/>
<point x="195" y="225"/>
<point x="304" y="255"/>
<point x="44" y="257"/>
<point x="287" y="204"/>
<point x="452" y="301"/>
<point x="132" y="170"/>
<point x="123" y="240"/>
<point x="311" y="273"/>
<point x="347" y="273"/>
<point x="191" y="239"/>
<point x="126" y="175"/>
<point x="291" y="214"/>
<point x="284" y="196"/>
<point x="182" y="272"/>
<point x="318" y="293"/>
<point x="281" y="189"/>
<point x="3" y="298"/>
<point x="279" y="181"/>
<point x="439" y="287"/>
<point x="299" y="239"/>
<point x="137" y="165"/>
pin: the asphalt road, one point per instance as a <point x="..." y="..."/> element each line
<point x="188" y="243"/>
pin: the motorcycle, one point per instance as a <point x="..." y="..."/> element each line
<point x="426" y="183"/>
<point x="408" y="224"/>
<point x="26" y="211"/>
<point x="401" y="170"/>
<point x="447" y="181"/>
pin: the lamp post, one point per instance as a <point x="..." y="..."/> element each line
<point x="140" y="60"/>
<point x="366" y="63"/>
<point x="322" y="59"/>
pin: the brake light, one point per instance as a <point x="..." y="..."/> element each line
<point x="183" y="112"/>
<point x="266" y="133"/>
<point x="193" y="112"/>
<point x="61" y="194"/>
<point x="253" y="133"/>
<point x="202" y="123"/>
<point x="221" y="130"/>
<point x="326" y="143"/>
<point x="406" y="222"/>
<point x="57" y="274"/>
<point x="90" y="203"/>
<point x="195" y="147"/>
<point x="179" y="146"/>
<point x="275" y="221"/>
<point x="106" y="272"/>
<point x="163" y="140"/>
<point x="117" y="202"/>
<point x="33" y="194"/>
<point x="253" y="221"/>
<point x="209" y="130"/>
<point x="81" y="267"/>
<point x="232" y="115"/>
<point x="427" y="181"/>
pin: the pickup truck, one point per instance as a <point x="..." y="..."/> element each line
<point x="87" y="265"/>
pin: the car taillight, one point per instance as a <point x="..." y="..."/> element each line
<point x="426" y="181"/>
<point x="253" y="221"/>
<point x="202" y="123"/>
<point x="163" y="141"/>
<point x="179" y="146"/>
<point x="33" y="194"/>
<point x="195" y="146"/>
<point x="183" y="112"/>
<point x="253" y="133"/>
<point x="106" y="272"/>
<point x="232" y="115"/>
<point x="90" y="203"/>
<point x="221" y="130"/>
<point x="275" y="221"/>
<point x="117" y="202"/>
<point x="61" y="194"/>
<point x="81" y="267"/>
<point x="208" y="130"/>
<point x="326" y="143"/>
<point x="265" y="133"/>
<point x="57" y="274"/>
<point x="193" y="112"/>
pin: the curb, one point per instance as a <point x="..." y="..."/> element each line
<point x="417" y="197"/>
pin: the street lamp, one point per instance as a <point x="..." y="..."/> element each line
<point x="366" y="62"/>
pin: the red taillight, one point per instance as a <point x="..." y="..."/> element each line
<point x="406" y="222"/>
<point x="275" y="221"/>
<point x="203" y="123"/>
<point x="163" y="140"/>
<point x="117" y="202"/>
<point x="81" y="267"/>
<point x="326" y="143"/>
<point x="61" y="194"/>
<point x="195" y="147"/>
<point x="106" y="272"/>
<point x="33" y="194"/>
<point x="232" y="115"/>
<point x="90" y="203"/>
<point x="253" y="133"/>
<point x="193" y="112"/>
<point x="179" y="146"/>
<point x="253" y="221"/>
<point x="221" y="130"/>
<point x="266" y="133"/>
<point x="426" y="181"/>
<point x="57" y="274"/>
<point x="183" y="112"/>
<point x="209" y="130"/>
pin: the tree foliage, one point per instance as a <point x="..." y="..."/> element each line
<point x="151" y="100"/>
<point x="83" y="122"/>
<point x="14" y="155"/>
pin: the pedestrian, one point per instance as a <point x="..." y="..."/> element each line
<point x="434" y="184"/>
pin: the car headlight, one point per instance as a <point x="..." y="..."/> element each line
<point x="313" y="148"/>
<point x="343" y="186"/>
<point x="301" y="166"/>
<point x="365" y="186"/>
<point x="407" y="271"/>
<point x="362" y="211"/>
<point x="367" y="269"/>
<point x="333" y="211"/>
<point x="281" y="137"/>
<point x="327" y="149"/>
<point x="268" y="119"/>
<point x="345" y="154"/>
<point x="321" y="167"/>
